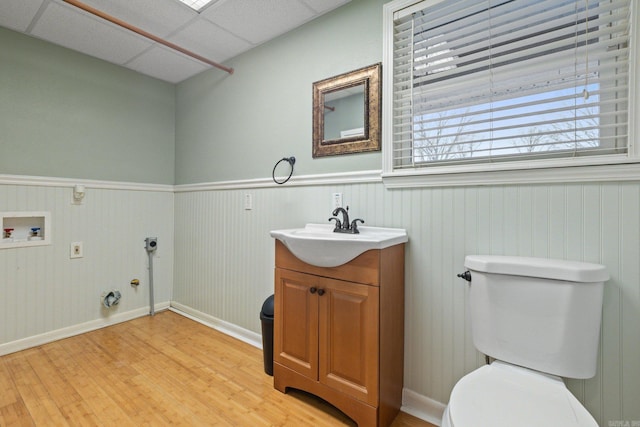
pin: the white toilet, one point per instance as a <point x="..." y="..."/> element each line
<point x="540" y="320"/>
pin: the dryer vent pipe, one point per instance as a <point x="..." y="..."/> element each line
<point x="111" y="298"/>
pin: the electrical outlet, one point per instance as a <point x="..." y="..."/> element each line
<point x="248" y="202"/>
<point x="336" y="200"/>
<point x="75" y="251"/>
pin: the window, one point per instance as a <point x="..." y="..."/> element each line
<point x="490" y="84"/>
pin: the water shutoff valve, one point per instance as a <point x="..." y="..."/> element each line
<point x="151" y="244"/>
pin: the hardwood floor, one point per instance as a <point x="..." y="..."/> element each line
<point x="161" y="370"/>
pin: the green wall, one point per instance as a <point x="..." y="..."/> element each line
<point x="65" y="114"/>
<point x="237" y="126"/>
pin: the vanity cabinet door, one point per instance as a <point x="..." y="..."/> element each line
<point x="296" y="322"/>
<point x="327" y="330"/>
<point x="348" y="327"/>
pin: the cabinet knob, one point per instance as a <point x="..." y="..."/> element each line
<point x="313" y="290"/>
<point x="320" y="292"/>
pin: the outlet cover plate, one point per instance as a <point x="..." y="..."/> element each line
<point x="76" y="250"/>
<point x="248" y="201"/>
<point x="336" y="200"/>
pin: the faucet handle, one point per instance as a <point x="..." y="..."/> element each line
<point x="354" y="225"/>
<point x="338" y="223"/>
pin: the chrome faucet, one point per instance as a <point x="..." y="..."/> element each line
<point x="345" y="226"/>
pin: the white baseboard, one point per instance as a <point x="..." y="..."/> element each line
<point x="422" y="407"/>
<point x="81" y="328"/>
<point x="230" y="329"/>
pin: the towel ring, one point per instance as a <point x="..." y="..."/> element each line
<point x="291" y="160"/>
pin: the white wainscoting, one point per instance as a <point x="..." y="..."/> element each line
<point x="224" y="264"/>
<point x="221" y="263"/>
<point x="45" y="295"/>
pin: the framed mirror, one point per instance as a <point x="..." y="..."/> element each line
<point x="346" y="113"/>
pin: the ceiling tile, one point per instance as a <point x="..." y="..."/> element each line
<point x="323" y="6"/>
<point x="209" y="40"/>
<point x="69" y="27"/>
<point x="158" y="17"/>
<point x="258" y="20"/>
<point x="223" y="30"/>
<point x="18" y="14"/>
<point x="166" y="64"/>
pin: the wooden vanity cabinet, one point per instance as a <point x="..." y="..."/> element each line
<point x="339" y="332"/>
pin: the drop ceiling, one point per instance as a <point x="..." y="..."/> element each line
<point x="222" y="30"/>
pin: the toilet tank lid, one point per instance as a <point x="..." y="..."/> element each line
<point x="546" y="268"/>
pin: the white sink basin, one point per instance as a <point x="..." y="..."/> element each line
<point x="318" y="245"/>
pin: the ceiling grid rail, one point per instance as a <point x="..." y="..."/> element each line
<point x="143" y="33"/>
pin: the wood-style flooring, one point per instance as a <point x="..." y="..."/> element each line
<point x="154" y="371"/>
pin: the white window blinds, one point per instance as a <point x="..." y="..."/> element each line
<point x="496" y="80"/>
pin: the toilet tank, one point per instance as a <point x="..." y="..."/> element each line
<point x="539" y="313"/>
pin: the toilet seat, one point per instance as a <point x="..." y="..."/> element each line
<point x="504" y="395"/>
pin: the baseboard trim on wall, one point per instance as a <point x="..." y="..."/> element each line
<point x="47" y="181"/>
<point x="227" y="328"/>
<point x="81" y="328"/>
<point x="422" y="407"/>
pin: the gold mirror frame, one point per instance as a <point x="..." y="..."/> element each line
<point x="370" y="77"/>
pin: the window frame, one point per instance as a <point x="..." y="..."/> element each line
<point x="622" y="167"/>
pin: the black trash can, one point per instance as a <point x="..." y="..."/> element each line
<point x="266" y="316"/>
